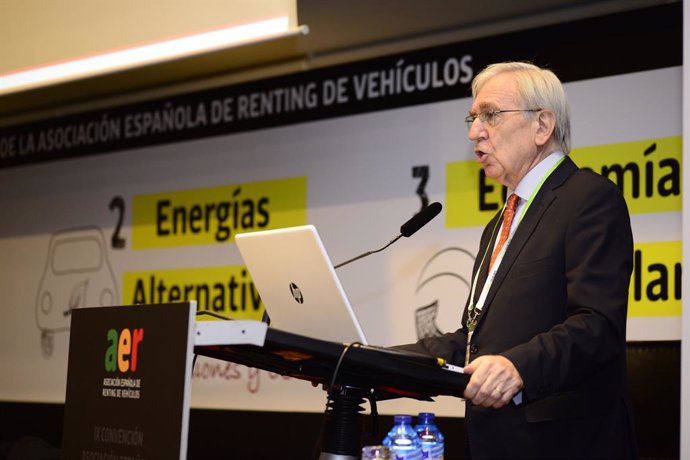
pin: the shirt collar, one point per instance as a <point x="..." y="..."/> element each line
<point x="533" y="178"/>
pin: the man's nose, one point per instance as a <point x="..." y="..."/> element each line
<point x="477" y="130"/>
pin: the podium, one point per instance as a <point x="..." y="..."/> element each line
<point x="350" y="373"/>
<point x="129" y="380"/>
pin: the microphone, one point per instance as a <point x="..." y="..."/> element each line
<point x="420" y="219"/>
<point x="407" y="229"/>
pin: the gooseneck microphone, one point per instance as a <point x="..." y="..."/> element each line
<point x="419" y="220"/>
<point x="407" y="229"/>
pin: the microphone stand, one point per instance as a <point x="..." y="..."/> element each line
<point x="368" y="253"/>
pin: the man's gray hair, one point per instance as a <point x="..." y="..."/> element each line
<point x="538" y="88"/>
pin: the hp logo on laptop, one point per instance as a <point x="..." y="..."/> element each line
<point x="296" y="293"/>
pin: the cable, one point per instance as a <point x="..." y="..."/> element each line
<point x="215" y="315"/>
<point x="340" y="361"/>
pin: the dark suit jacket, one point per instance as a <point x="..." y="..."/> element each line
<point x="557" y="309"/>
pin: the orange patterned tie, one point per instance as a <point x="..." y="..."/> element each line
<point x="508" y="215"/>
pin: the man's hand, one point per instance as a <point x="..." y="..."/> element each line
<point x="494" y="381"/>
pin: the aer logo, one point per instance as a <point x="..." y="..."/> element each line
<point x="123" y="350"/>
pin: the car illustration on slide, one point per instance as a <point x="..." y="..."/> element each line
<point x="77" y="273"/>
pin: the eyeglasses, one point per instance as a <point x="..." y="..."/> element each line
<point x="491" y="117"/>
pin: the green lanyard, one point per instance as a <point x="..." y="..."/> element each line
<point x="538" y="187"/>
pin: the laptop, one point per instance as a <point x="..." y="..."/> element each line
<point x="298" y="284"/>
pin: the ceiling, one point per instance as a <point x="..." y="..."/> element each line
<point x="338" y="31"/>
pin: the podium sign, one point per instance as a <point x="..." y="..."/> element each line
<point x="128" y="382"/>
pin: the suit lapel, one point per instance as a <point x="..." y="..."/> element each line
<point x="542" y="201"/>
<point x="485" y="249"/>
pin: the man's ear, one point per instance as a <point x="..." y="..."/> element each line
<point x="546" y="120"/>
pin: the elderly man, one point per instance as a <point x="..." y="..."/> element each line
<point x="543" y="332"/>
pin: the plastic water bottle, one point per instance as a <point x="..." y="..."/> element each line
<point x="431" y="437"/>
<point x="403" y="440"/>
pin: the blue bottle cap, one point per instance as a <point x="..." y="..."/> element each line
<point x="402" y="419"/>
<point x="426" y="417"/>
